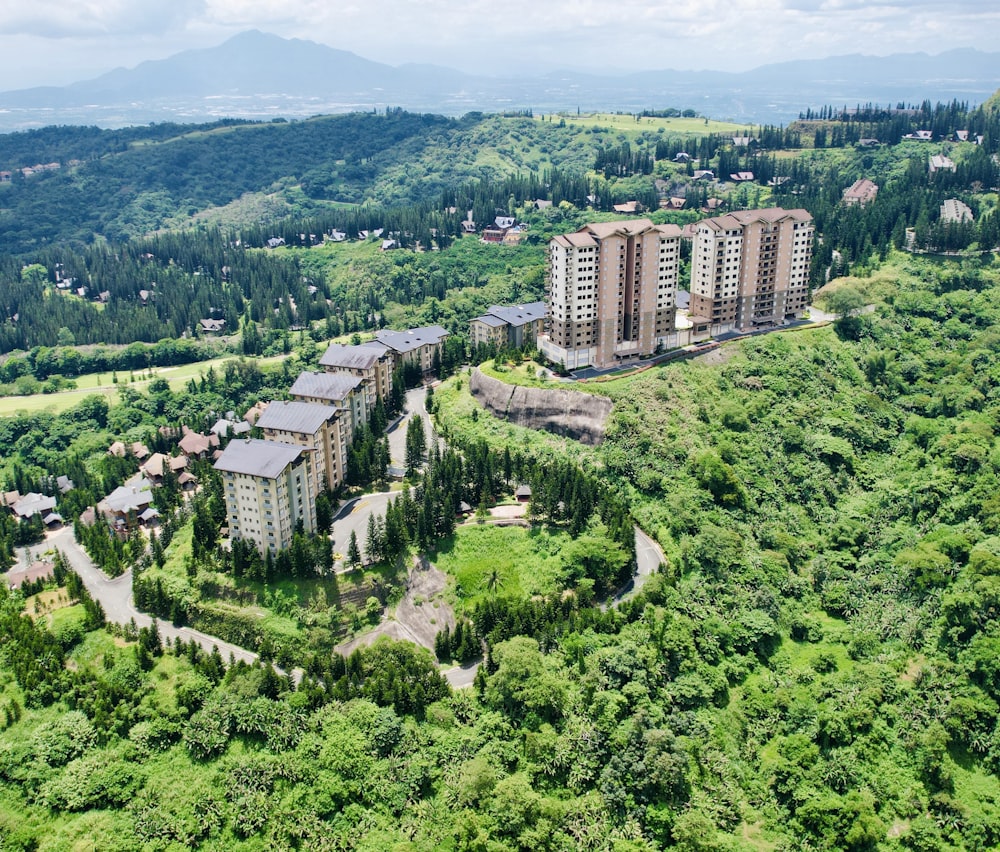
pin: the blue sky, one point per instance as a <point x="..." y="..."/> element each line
<point x="54" y="42"/>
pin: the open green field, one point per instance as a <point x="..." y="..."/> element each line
<point x="513" y="560"/>
<point x="627" y="124"/>
<point x="102" y="383"/>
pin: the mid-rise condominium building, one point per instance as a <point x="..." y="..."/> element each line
<point x="315" y="426"/>
<point x="371" y="362"/>
<point x="750" y="269"/>
<point x="509" y="325"/>
<point x="344" y="392"/>
<point x="269" y="490"/>
<point x="611" y="293"/>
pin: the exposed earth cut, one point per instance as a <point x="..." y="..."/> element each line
<point x="572" y="414"/>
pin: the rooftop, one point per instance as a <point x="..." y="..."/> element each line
<point x="362" y="357"/>
<point x="254" y="457"/>
<point x="331" y="386"/>
<point x="303" y="417"/>
<point x="517" y="315"/>
<point x="413" y="338"/>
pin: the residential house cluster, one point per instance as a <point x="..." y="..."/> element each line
<point x="271" y="484"/>
<point x="612" y="286"/>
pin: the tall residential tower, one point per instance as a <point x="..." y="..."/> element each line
<point x="611" y="293"/>
<point x="750" y="269"/>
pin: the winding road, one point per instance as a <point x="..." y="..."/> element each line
<point x="115" y="595"/>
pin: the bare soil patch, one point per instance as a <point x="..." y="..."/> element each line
<point x="419" y="616"/>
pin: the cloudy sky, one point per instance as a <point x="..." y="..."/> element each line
<point x="54" y="42"/>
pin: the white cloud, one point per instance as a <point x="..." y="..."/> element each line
<point x="87" y="18"/>
<point x="521" y="36"/>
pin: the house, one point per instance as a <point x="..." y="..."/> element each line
<point x="920" y="135"/>
<point x="868" y="143"/>
<point x="628" y="207"/>
<point x="193" y="444"/>
<point x="224" y="427"/>
<point x="32" y="504"/>
<point x="522" y="493"/>
<point x="741" y="177"/>
<point x="337" y="236"/>
<point x="953" y="210"/>
<point x="778" y="180"/>
<point x="743" y="141"/>
<point x="5" y="176"/>
<point x="64" y="484"/>
<point x="940" y="163"/>
<point x="158" y="464"/>
<point x="389" y="245"/>
<point x="274" y="242"/>
<point x="41" y="569"/>
<point x="682" y="157"/>
<point x="861" y="192"/>
<point x="675" y="203"/>
<point x="704" y="174"/>
<point x="254" y="412"/>
<point x="712" y="204"/>
<point x="127" y="501"/>
<point x="542" y="204"/>
<point x="212" y="326"/>
<point x="139" y="450"/>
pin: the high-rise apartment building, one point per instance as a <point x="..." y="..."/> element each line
<point x="268" y="489"/>
<point x="612" y="290"/>
<point x="750" y="269"/>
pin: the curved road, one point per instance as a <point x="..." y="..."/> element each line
<point x="115" y="595"/>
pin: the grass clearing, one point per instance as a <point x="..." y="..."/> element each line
<point x="629" y="125"/>
<point x="525" y="561"/>
<point x="101" y="383"/>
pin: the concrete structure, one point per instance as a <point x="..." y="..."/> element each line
<point x="371" y="362"/>
<point x="953" y="210"/>
<point x="316" y="427"/>
<point x="750" y="269"/>
<point x="861" y="192"/>
<point x="344" y="392"/>
<point x="611" y="293"/>
<point x="416" y="346"/>
<point x="513" y="326"/>
<point x="269" y="490"/>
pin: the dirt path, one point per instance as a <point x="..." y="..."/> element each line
<point x="419" y="616"/>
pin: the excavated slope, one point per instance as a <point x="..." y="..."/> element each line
<point x="581" y="416"/>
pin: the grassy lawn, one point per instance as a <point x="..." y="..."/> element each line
<point x="102" y="383"/>
<point x="628" y="125"/>
<point x="527" y="561"/>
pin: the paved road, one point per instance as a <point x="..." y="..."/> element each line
<point x="115" y="595"/>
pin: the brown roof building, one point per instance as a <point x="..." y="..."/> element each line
<point x="750" y="269"/>
<point x="611" y="292"/>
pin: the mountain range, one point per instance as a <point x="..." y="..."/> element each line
<point x="261" y="76"/>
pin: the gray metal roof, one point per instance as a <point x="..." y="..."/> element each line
<point x="332" y="386"/>
<point x="490" y="320"/>
<point x="254" y="457"/>
<point x="413" y="338"/>
<point x="303" y="417"/>
<point x="361" y="357"/>
<point x="518" y="315"/>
